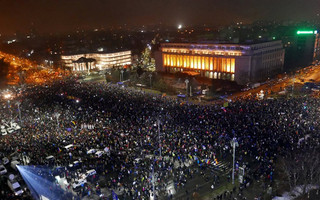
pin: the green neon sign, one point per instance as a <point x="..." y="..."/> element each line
<point x="306" y="32"/>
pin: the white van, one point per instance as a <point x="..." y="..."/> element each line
<point x="15" y="187"/>
<point x="99" y="154"/>
<point x="69" y="147"/>
<point x="90" y="172"/>
<point x="91" y="151"/>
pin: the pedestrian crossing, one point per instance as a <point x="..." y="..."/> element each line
<point x="222" y="168"/>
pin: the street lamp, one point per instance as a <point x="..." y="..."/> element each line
<point x="150" y="76"/>
<point x="234" y="144"/>
<point x="153" y="185"/>
<point x="18" y="104"/>
<point x="8" y="96"/>
<point x="186" y="81"/>
<point x="57" y="115"/>
<point x="159" y="138"/>
<point x="121" y="75"/>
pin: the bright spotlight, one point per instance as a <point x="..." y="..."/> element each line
<point x="7" y="96"/>
<point x="179" y="26"/>
<point x="42" y="184"/>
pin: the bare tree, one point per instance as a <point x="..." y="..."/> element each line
<point x="301" y="167"/>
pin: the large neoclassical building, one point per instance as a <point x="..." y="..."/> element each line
<point x="86" y="62"/>
<point x="242" y="63"/>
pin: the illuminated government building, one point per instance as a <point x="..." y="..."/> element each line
<point x="236" y="62"/>
<point x="100" y="61"/>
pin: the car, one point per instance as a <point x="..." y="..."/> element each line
<point x="69" y="147"/>
<point x="79" y="182"/>
<point x="91" y="151"/>
<point x="3" y="170"/>
<point x="90" y="172"/>
<point x="15" y="126"/>
<point x="5" y="160"/>
<point x="137" y="160"/>
<point x="14" y="185"/>
<point x="75" y="165"/>
<point x="50" y="159"/>
<point x="99" y="154"/>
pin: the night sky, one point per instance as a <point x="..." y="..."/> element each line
<point x="65" y="15"/>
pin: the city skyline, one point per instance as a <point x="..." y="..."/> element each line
<point x="63" y="16"/>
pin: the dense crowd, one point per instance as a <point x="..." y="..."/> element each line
<point x="127" y="122"/>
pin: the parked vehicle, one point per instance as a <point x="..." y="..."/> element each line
<point x="3" y="170"/>
<point x="91" y="151"/>
<point x="14" y="164"/>
<point x="78" y="183"/>
<point x="99" y="154"/>
<point x="14" y="185"/>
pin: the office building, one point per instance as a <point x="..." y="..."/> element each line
<point x="242" y="63"/>
<point x="99" y="61"/>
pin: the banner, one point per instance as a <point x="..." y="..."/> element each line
<point x="114" y="196"/>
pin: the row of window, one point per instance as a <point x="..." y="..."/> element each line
<point x="202" y="52"/>
<point x="208" y="74"/>
<point x="200" y="62"/>
<point x="207" y="47"/>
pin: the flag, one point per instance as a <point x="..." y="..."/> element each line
<point x="114" y="196"/>
<point x="73" y="122"/>
<point x="226" y="104"/>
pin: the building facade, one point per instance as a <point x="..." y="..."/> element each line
<point x="302" y="49"/>
<point x="100" y="61"/>
<point x="316" y="53"/>
<point x="234" y="62"/>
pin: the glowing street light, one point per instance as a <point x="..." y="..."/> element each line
<point x="121" y="75"/>
<point x="8" y="97"/>
<point x="57" y="115"/>
<point x="150" y="76"/>
<point x="187" y="81"/>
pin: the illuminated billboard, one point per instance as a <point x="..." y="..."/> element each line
<point x="307" y="32"/>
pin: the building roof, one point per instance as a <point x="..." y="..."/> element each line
<point x="84" y="60"/>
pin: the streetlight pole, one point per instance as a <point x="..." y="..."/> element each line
<point x="8" y="97"/>
<point x="18" y="104"/>
<point x="153" y="187"/>
<point x="234" y="144"/>
<point x="150" y="76"/>
<point x="121" y="75"/>
<point x="159" y="138"/>
<point x="57" y="115"/>
<point x="186" y="81"/>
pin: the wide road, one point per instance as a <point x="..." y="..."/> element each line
<point x="307" y="74"/>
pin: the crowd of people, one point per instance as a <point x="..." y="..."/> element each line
<point x="145" y="132"/>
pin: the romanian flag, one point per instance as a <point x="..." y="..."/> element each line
<point x="73" y="122"/>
